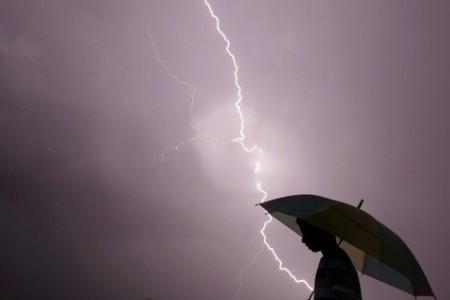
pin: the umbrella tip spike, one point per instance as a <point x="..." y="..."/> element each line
<point x="360" y="203"/>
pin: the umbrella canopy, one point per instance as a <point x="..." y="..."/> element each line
<point x="373" y="248"/>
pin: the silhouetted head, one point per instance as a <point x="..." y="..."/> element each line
<point x="316" y="239"/>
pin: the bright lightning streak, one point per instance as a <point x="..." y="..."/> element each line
<point x="241" y="140"/>
<point x="280" y="263"/>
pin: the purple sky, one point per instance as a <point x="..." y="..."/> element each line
<point x="348" y="99"/>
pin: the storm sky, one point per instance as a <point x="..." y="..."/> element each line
<point x="348" y="99"/>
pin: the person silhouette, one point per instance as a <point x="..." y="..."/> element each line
<point x="336" y="277"/>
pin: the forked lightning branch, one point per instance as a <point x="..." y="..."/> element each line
<point x="240" y="139"/>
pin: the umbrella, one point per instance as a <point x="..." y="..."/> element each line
<point x="373" y="248"/>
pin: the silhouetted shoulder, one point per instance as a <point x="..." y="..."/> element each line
<point x="336" y="278"/>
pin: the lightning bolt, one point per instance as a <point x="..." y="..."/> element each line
<point x="192" y="92"/>
<point x="239" y="139"/>
<point x="189" y="86"/>
<point x="162" y="156"/>
<point x="250" y="149"/>
<point x="244" y="270"/>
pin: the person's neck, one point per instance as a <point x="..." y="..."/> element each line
<point x="330" y="249"/>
